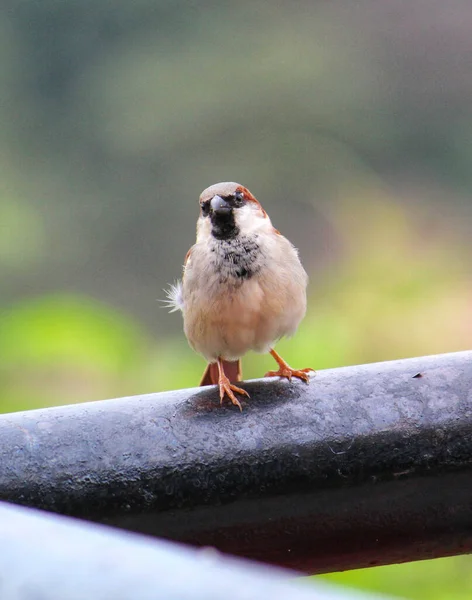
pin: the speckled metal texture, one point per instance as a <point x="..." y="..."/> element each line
<point x="365" y="465"/>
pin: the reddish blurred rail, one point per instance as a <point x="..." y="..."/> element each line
<point x="365" y="465"/>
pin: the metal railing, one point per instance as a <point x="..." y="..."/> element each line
<point x="366" y="465"/>
<point x="56" y="558"/>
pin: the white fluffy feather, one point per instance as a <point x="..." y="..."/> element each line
<point x="175" y="300"/>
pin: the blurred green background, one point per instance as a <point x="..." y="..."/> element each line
<point x="350" y="121"/>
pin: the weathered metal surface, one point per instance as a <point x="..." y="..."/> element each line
<point x="365" y="465"/>
<point x="48" y="557"/>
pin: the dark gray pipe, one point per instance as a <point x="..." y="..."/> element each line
<point x="365" y="465"/>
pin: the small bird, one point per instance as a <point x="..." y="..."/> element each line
<point x="243" y="288"/>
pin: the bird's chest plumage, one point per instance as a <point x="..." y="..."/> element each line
<point x="238" y="296"/>
<point x="223" y="297"/>
<point x="236" y="260"/>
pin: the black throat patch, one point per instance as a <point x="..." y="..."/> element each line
<point x="223" y="226"/>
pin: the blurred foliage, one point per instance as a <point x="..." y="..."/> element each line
<point x="349" y="121"/>
<point x="440" y="579"/>
<point x="114" y="116"/>
<point x="64" y="348"/>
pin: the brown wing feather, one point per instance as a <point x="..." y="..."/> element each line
<point x="187" y="256"/>
<point x="232" y="369"/>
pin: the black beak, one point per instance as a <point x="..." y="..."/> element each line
<point x="219" y="206"/>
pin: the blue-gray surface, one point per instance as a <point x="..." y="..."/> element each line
<point x="49" y="557"/>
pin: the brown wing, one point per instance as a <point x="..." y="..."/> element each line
<point x="232" y="369"/>
<point x="186" y="259"/>
<point x="187" y="256"/>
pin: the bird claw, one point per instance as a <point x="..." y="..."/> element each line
<point x="227" y="388"/>
<point x="288" y="373"/>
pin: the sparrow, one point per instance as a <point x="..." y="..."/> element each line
<point x="243" y="288"/>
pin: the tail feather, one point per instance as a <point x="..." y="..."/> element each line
<point x="232" y="369"/>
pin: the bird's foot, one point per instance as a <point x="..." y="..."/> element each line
<point x="288" y="373"/>
<point x="227" y="388"/>
<point x="285" y="370"/>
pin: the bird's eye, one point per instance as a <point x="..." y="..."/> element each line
<point x="238" y="198"/>
<point x="205" y="208"/>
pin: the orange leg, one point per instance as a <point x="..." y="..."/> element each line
<point x="286" y="371"/>
<point x="227" y="388"/>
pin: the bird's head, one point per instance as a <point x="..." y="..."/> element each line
<point x="227" y="210"/>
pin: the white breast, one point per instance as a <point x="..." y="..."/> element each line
<point x="226" y="314"/>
